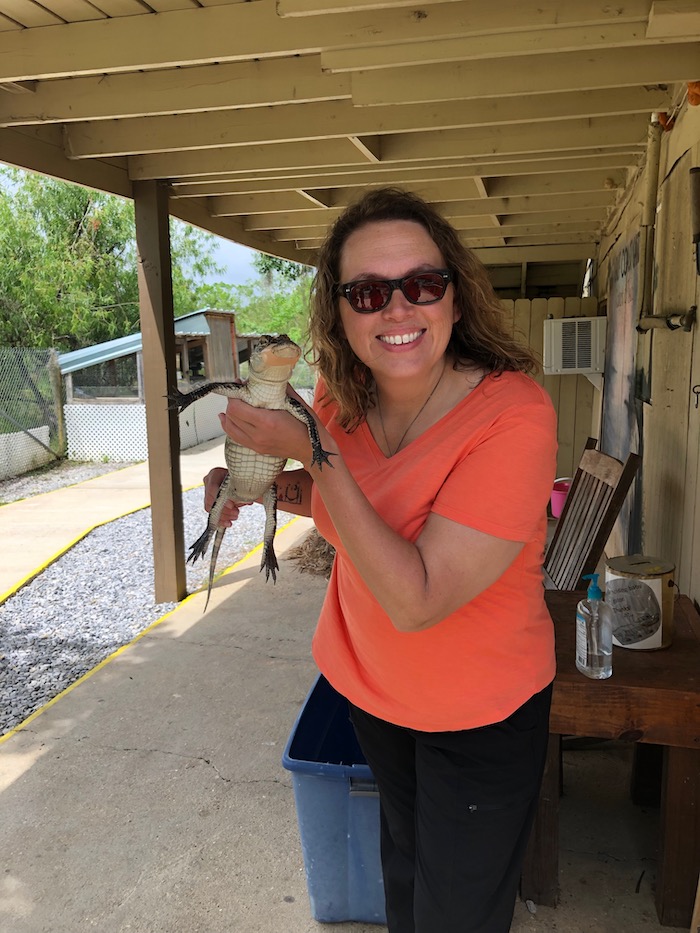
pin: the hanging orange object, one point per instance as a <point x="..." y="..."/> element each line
<point x="694" y="93"/>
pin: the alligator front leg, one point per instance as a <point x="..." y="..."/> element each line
<point x="180" y="400"/>
<point x="318" y="454"/>
<point x="269" y="560"/>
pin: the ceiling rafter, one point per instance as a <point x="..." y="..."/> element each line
<point x="239" y="31"/>
<point x="338" y="119"/>
<point x="522" y="121"/>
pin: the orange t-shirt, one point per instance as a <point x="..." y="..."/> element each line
<point x="489" y="464"/>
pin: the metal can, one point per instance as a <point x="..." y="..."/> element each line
<point x="640" y="591"/>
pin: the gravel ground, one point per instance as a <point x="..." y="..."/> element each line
<point x="97" y="596"/>
<point x="54" y="476"/>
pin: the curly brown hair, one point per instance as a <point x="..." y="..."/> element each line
<point x="481" y="335"/>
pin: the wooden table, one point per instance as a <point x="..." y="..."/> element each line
<point x="652" y="697"/>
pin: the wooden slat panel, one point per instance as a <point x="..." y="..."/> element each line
<point x="509" y="308"/>
<point x="73" y="11"/>
<point x="569" y="450"/>
<point x="670" y="442"/>
<point x="29" y="13"/>
<point x="599" y="488"/>
<point x="522" y="319"/>
<point x="120" y="7"/>
<point x="166" y="6"/>
<point x="538" y="313"/>
<point x="7" y="25"/>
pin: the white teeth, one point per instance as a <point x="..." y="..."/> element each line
<point x="401" y="338"/>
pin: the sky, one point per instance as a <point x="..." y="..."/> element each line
<point x="237" y="261"/>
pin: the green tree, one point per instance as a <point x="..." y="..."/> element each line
<point x="68" y="272"/>
<point x="278" y="303"/>
<point x="265" y="307"/>
<point x="272" y="267"/>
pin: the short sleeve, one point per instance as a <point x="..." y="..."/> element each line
<point x="503" y="483"/>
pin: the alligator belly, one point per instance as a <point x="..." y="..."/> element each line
<point x="250" y="474"/>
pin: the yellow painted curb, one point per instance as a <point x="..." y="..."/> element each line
<point x="52" y="560"/>
<point x="149" y="628"/>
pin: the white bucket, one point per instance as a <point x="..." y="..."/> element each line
<point x="640" y="591"/>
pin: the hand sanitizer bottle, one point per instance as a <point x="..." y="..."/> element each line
<point x="594" y="627"/>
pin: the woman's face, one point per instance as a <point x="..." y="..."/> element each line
<point x="403" y="340"/>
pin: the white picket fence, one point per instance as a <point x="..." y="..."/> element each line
<point x="116" y="432"/>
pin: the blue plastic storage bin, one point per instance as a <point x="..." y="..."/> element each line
<point x="337" y="810"/>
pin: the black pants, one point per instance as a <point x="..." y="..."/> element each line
<point x="456" y="813"/>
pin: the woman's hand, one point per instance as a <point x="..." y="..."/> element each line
<point x="272" y="432"/>
<point x="212" y="483"/>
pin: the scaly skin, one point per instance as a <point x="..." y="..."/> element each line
<point x="250" y="475"/>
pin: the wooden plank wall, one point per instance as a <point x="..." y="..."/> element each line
<point x="221" y="363"/>
<point x="574" y="396"/>
<point x="671" y="422"/>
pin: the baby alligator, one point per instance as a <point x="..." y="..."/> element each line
<point x="251" y="476"/>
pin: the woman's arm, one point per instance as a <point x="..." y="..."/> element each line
<point x="293" y="494"/>
<point x="418" y="584"/>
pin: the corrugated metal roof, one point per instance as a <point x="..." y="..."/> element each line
<point x="193" y="324"/>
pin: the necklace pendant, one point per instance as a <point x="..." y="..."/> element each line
<point x="413" y="420"/>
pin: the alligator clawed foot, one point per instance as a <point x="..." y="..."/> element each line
<point x="199" y="548"/>
<point x="269" y="563"/>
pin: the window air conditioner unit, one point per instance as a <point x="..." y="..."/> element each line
<point x="574" y="345"/>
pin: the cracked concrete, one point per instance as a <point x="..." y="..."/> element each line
<point x="152" y="799"/>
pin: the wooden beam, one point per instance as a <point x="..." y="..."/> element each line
<point x="525" y="75"/>
<point x="281" y="203"/>
<point x="195" y="211"/>
<point x="240" y="31"/>
<point x="40" y="149"/>
<point x="472" y="48"/>
<point x="156" y="312"/>
<point x="499" y="143"/>
<point x="360" y="176"/>
<point x="581" y="203"/>
<point x="188" y="90"/>
<point x="509" y="255"/>
<point x="559" y="183"/>
<point x="328" y="153"/>
<point x="338" y="119"/>
<point x="318" y="7"/>
<point x="672" y="18"/>
<point x="517" y="139"/>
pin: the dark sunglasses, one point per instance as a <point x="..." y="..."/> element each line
<point x="422" y="288"/>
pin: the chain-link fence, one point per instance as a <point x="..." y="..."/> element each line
<point x="31" y="416"/>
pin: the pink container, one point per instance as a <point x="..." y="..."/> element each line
<point x="559" y="493"/>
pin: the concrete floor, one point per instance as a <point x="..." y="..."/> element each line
<point x="150" y="798"/>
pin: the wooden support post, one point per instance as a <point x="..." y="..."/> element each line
<point x="539" y="881"/>
<point x="679" y="849"/>
<point x="61" y="444"/>
<point x="162" y="428"/>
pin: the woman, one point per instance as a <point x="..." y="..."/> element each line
<point x="434" y="624"/>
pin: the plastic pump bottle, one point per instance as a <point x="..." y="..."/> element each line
<point x="594" y="628"/>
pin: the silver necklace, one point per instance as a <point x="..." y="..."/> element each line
<point x="413" y="420"/>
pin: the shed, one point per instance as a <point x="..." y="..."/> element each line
<point x="104" y="411"/>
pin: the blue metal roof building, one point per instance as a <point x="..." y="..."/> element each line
<point x="194" y="324"/>
<point x="107" y="420"/>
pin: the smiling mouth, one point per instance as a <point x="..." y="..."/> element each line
<point x="398" y="339"/>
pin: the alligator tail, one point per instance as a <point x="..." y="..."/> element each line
<point x="218" y="538"/>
